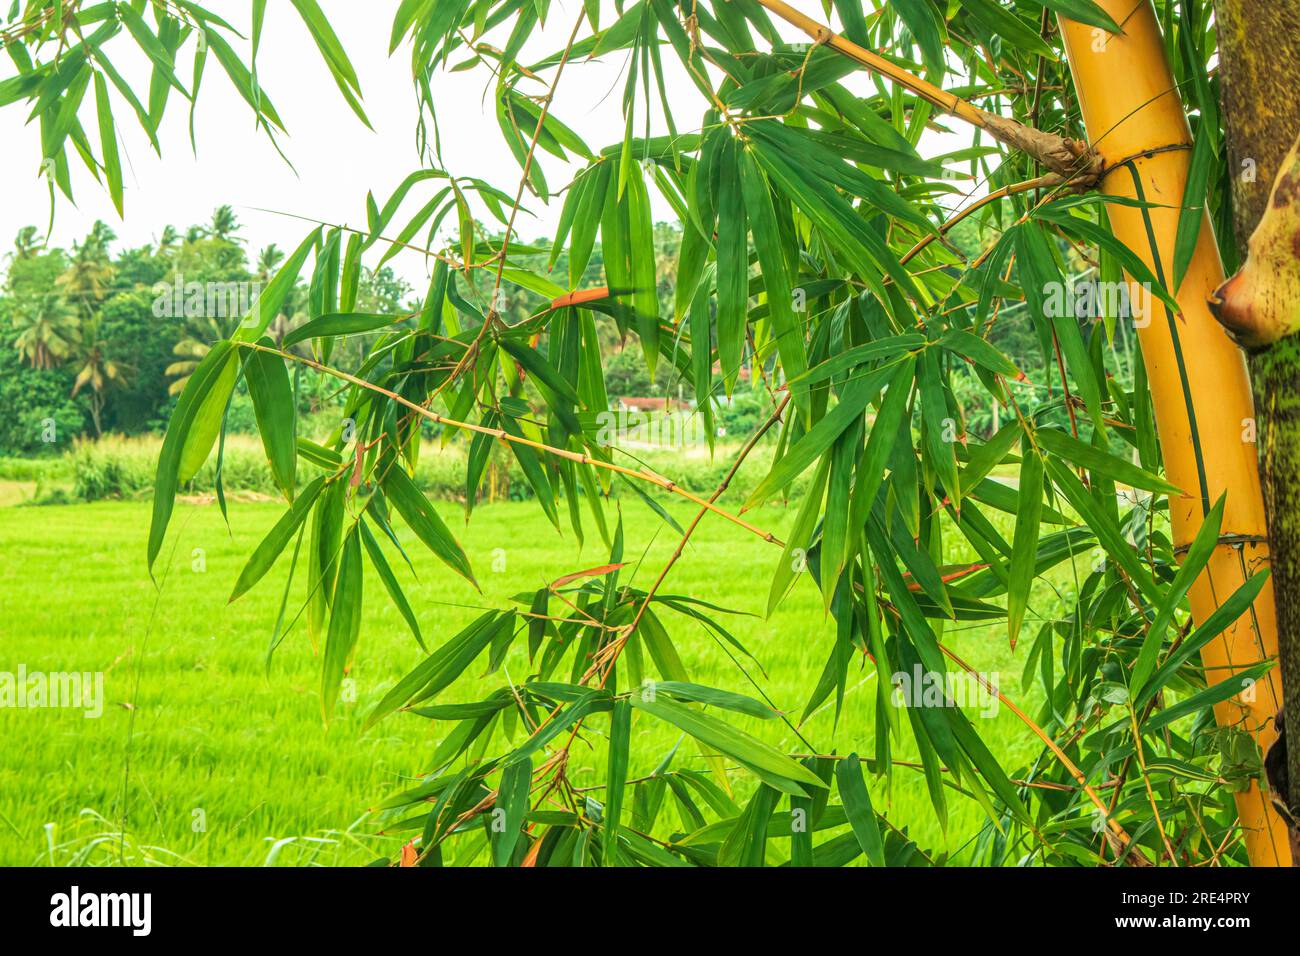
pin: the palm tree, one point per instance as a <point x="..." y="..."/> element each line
<point x="97" y="370"/>
<point x="194" y="345"/>
<point x="47" y="329"/>
<point x="87" y="278"/>
<point x="268" y="261"/>
<point x="168" y="241"/>
<point x="224" y="225"/>
<point x="28" y="243"/>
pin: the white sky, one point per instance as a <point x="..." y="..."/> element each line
<point x="335" y="159"/>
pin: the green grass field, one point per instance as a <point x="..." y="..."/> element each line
<point x="202" y="757"/>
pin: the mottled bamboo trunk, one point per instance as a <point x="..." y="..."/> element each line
<point x="1277" y="383"/>
<point x="1259" y="60"/>
<point x="1259" y="56"/>
<point x="1260" y="308"/>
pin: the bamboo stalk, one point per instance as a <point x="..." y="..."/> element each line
<point x="1204" y="410"/>
<point x="1063" y="156"/>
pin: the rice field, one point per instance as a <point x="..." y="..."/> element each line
<point x="204" y="756"/>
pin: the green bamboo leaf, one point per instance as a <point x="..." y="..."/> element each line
<point x="733" y="267"/>
<point x="331" y="49"/>
<point x="1194" y="198"/>
<point x="926" y="27"/>
<point x="982" y="758"/>
<point x="870" y="473"/>
<point x="940" y="428"/>
<point x="857" y="806"/>
<point x="1237" y="684"/>
<point x="746" y="842"/>
<point x="645" y="287"/>
<point x="340" y="323"/>
<point x="857" y="395"/>
<point x="620" y="735"/>
<point x="273" y="403"/>
<point x="205" y="425"/>
<point x="662" y="651"/>
<point x="150" y="44"/>
<point x="595" y="186"/>
<point x="772" y="766"/>
<point x="390" y="583"/>
<point x="1198" y="555"/>
<point x="1214" y="625"/>
<point x="512" y="800"/>
<point x="590" y="702"/>
<point x="420" y="516"/>
<point x="1103" y="526"/>
<point x="980" y="352"/>
<point x="345" y="622"/>
<point x="108" y="142"/>
<point x="272" y="298"/>
<point x="887" y="348"/>
<point x="1057" y="442"/>
<point x="200" y="386"/>
<point x="982" y="459"/>
<point x="270" y="548"/>
<point x="443" y="666"/>
<point x="1104" y="239"/>
<point x="727" y="700"/>
<point x="848" y="232"/>
<point x="786" y="326"/>
<point x="536" y="364"/>
<point x="1084" y="11"/>
<point x="1024" y="545"/>
<point x="1010" y="27"/>
<point x="837" y="543"/>
<point x="821" y="159"/>
<point x="534" y="472"/>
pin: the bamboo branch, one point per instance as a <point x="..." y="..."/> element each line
<point x="1042" y="182"/>
<point x="1066" y="157"/>
<point x="502" y="435"/>
<point x="611" y="651"/>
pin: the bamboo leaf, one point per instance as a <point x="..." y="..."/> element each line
<point x="419" y="515"/>
<point x="620" y="734"/>
<point x="1198" y="555"/>
<point x="394" y="589"/>
<point x="270" y="548"/>
<point x="772" y="766"/>
<point x="857" y="806"/>
<point x="1100" y="462"/>
<point x="1024" y="545"/>
<point x="857" y="395"/>
<point x="512" y="800"/>
<point x="209" y="378"/>
<point x="273" y="403"/>
<point x="345" y="622"/>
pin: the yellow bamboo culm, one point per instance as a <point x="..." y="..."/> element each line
<point x="1135" y="119"/>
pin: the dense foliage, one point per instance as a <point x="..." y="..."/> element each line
<point x="814" y="257"/>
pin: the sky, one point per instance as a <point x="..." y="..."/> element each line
<point x="335" y="159"/>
